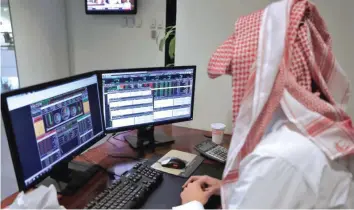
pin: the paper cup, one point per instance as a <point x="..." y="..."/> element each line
<point x="217" y="130"/>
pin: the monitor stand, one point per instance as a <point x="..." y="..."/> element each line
<point x="146" y="138"/>
<point x="68" y="178"/>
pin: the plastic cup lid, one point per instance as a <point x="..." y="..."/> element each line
<point x="218" y="126"/>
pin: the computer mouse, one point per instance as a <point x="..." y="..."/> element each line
<point x="174" y="163"/>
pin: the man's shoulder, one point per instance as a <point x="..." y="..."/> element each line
<point x="288" y="157"/>
<point x="290" y="146"/>
<point x="293" y="147"/>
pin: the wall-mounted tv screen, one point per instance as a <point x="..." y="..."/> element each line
<point x="111" y="6"/>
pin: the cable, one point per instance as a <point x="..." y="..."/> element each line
<point x="116" y="134"/>
<point x="99" y="166"/>
<point x="123" y="157"/>
<point x="113" y="136"/>
<point x="122" y="140"/>
<point x="59" y="185"/>
<point x="110" y="155"/>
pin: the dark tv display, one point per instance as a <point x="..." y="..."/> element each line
<point x="111" y="6"/>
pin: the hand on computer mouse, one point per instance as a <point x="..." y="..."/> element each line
<point x="194" y="192"/>
<point x="206" y="183"/>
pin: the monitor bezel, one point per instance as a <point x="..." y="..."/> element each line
<point x="112" y="12"/>
<point x="11" y="135"/>
<point x="151" y="69"/>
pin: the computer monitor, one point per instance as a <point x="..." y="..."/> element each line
<point x="138" y="98"/>
<point x="49" y="124"/>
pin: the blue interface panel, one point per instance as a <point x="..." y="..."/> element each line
<point x="138" y="98"/>
<point x="59" y="121"/>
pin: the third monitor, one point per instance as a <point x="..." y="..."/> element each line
<point x="142" y="98"/>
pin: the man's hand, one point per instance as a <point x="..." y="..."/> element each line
<point x="194" y="192"/>
<point x="207" y="183"/>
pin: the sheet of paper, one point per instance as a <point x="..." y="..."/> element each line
<point x="188" y="157"/>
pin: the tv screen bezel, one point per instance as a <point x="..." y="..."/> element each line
<point x="149" y="69"/>
<point x="12" y="138"/>
<point x="112" y="12"/>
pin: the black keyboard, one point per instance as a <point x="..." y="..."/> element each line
<point x="131" y="191"/>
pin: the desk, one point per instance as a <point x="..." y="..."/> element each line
<point x="185" y="140"/>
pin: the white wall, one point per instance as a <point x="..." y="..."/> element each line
<point x="339" y="18"/>
<point x="100" y="42"/>
<point x="5" y="20"/>
<point x="8" y="63"/>
<point x="42" y="55"/>
<point x="39" y="28"/>
<point x="201" y="31"/>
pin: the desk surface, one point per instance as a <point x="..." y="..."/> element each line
<point x="185" y="140"/>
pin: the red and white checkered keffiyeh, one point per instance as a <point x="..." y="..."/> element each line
<point x="281" y="57"/>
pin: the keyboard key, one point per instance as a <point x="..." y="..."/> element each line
<point x="127" y="194"/>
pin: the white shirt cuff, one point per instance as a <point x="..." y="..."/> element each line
<point x="195" y="205"/>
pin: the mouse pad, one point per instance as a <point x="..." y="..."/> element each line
<point x="167" y="195"/>
<point x="192" y="163"/>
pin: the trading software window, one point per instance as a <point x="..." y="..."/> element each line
<point x="146" y="97"/>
